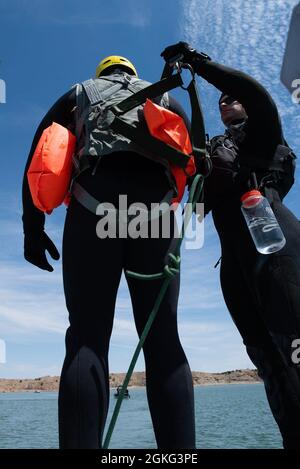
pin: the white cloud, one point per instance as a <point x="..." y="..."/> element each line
<point x="249" y="36"/>
<point x="21" y="369"/>
<point x="31" y="314"/>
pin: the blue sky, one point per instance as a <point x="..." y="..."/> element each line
<point x="48" y="45"/>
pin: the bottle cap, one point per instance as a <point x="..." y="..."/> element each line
<point x="251" y="197"/>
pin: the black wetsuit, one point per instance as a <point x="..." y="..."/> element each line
<point x="92" y="269"/>
<point x="262" y="292"/>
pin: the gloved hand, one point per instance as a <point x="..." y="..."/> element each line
<point x="183" y="52"/>
<point x="35" y="246"/>
<point x="180" y="51"/>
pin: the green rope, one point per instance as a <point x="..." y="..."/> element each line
<point x="170" y="271"/>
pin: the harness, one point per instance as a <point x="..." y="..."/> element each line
<point x="279" y="170"/>
<point x="116" y="122"/>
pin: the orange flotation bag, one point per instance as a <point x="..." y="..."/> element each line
<point x="50" y="170"/>
<point x="169" y="127"/>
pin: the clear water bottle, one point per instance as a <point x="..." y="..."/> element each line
<point x="262" y="224"/>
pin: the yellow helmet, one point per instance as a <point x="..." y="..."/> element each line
<point x="115" y="60"/>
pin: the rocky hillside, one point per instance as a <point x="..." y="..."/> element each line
<point x="50" y="383"/>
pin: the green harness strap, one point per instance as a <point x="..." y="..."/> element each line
<point x="170" y="270"/>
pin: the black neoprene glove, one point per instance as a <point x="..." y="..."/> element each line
<point x="183" y="52"/>
<point x="35" y="246"/>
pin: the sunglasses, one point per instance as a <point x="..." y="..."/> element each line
<point x="228" y="100"/>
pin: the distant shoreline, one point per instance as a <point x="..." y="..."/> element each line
<point x="51" y="383"/>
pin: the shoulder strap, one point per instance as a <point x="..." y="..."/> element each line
<point x="198" y="135"/>
<point x="197" y="123"/>
<point x="79" y="111"/>
<point x="114" y="85"/>
<point x="95" y="95"/>
<point x="150" y="92"/>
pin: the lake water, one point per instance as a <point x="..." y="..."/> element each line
<point x="229" y="416"/>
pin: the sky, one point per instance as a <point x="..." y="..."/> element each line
<point x="48" y="45"/>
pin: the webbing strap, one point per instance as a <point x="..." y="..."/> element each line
<point x="86" y="199"/>
<point x="150" y="92"/>
<point x="79" y="116"/>
<point x="198" y="136"/>
<point x="91" y="203"/>
<point x="92" y="91"/>
<point x="95" y="95"/>
<point x="197" y="122"/>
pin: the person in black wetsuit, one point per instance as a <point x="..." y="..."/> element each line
<point x="92" y="269"/>
<point x="262" y="292"/>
